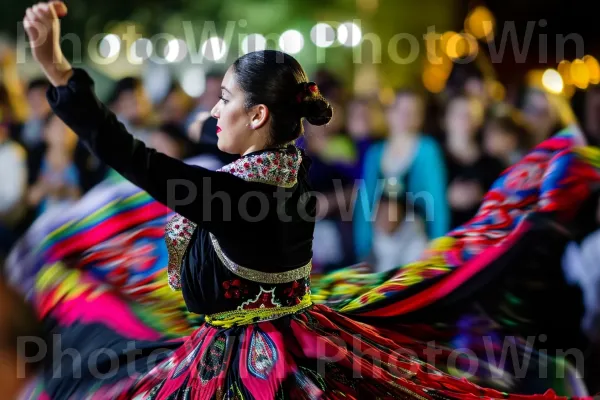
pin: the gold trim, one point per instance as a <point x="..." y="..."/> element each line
<point x="258" y="276"/>
<point x="228" y="319"/>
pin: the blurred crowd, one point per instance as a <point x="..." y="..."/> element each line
<point x="392" y="175"/>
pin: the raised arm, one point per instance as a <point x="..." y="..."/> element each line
<point x="172" y="182"/>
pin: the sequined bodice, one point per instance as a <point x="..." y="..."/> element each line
<point x="236" y="287"/>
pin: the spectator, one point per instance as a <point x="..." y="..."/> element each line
<point x="170" y="139"/>
<point x="506" y="138"/>
<point x="130" y="102"/>
<point x="209" y="97"/>
<point x="333" y="156"/>
<point x="470" y="171"/>
<point x="408" y="157"/>
<point x="33" y="130"/>
<point x="58" y="182"/>
<point x="359" y="124"/>
<point x="175" y="107"/>
<point x="541" y="115"/>
<point x="398" y="237"/>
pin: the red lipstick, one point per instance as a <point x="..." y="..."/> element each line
<point x="218" y="129"/>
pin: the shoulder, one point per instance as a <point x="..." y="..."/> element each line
<point x="375" y="150"/>
<point x="429" y="144"/>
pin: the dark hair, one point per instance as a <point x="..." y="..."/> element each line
<point x="38" y="83"/>
<point x="127" y="84"/>
<point x="512" y="123"/>
<point x="277" y="80"/>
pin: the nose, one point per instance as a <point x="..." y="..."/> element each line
<point x="215" y="111"/>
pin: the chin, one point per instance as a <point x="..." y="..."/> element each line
<point x="224" y="147"/>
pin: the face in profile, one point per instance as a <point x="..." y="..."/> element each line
<point x="234" y="134"/>
<point x="406" y="114"/>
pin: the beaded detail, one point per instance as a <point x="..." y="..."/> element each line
<point x="262" y="355"/>
<point x="242" y="317"/>
<point x="279" y="168"/>
<point x="258" y="276"/>
<point x="179" y="231"/>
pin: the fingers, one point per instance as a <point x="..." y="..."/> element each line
<point x="59" y="8"/>
<point x="34" y="23"/>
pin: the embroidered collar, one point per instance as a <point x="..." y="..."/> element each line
<point x="277" y="167"/>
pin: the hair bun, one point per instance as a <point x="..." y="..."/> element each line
<point x="317" y="110"/>
<point x="314" y="107"/>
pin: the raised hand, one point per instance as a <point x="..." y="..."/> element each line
<point x="42" y="25"/>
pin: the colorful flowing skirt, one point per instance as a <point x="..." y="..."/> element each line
<point x="96" y="274"/>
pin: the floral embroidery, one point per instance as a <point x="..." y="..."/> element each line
<point x="262" y="355"/>
<point x="279" y="168"/>
<point x="179" y="231"/>
<point x="234" y="289"/>
<point x="297" y="290"/>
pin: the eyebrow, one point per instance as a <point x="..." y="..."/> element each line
<point x="225" y="89"/>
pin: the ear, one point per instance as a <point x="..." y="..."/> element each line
<point x="259" y="115"/>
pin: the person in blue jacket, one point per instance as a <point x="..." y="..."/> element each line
<point x="411" y="160"/>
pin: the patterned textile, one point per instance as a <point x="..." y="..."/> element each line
<point x="100" y="279"/>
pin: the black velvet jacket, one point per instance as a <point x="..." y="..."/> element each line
<point x="241" y="237"/>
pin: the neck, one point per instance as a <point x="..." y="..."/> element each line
<point x="398" y="134"/>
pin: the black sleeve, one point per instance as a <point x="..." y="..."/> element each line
<point x="179" y="186"/>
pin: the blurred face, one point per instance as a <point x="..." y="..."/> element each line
<point x="57" y="134"/>
<point x="463" y="118"/>
<point x="175" y="108"/>
<point x="359" y="120"/>
<point x="234" y="134"/>
<point x="133" y="105"/>
<point x="539" y="114"/>
<point x="498" y="142"/>
<point x="475" y="87"/>
<point x="38" y="103"/>
<point x="163" y="143"/>
<point x="406" y="114"/>
<point x="212" y="92"/>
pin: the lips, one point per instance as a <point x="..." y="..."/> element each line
<point x="218" y="129"/>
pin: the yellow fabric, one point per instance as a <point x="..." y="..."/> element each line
<point x="233" y="318"/>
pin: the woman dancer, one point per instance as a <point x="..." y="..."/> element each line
<point x="262" y="336"/>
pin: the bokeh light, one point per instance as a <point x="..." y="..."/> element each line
<point x="254" y="42"/>
<point x="552" y="81"/>
<point x="291" y="41"/>
<point x="322" y="35"/>
<point x="349" y="34"/>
